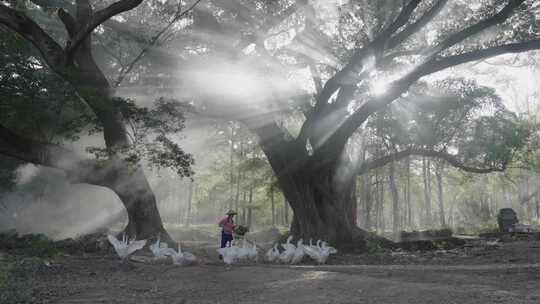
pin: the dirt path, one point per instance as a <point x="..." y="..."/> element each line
<point x="477" y="277"/>
<point x="490" y="267"/>
<point x="106" y="280"/>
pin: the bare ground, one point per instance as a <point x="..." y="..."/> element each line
<point x="505" y="273"/>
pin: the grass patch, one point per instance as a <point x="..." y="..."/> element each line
<point x="15" y="282"/>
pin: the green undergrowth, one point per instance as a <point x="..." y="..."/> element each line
<point x="489" y="226"/>
<point x="37" y="245"/>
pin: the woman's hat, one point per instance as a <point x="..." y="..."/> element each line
<point x="231" y="212"/>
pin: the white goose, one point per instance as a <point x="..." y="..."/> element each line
<point x="298" y="252"/>
<point x="125" y="247"/>
<point x="312" y="250"/>
<point x="287" y="255"/>
<point x="243" y="252"/>
<point x="320" y="252"/>
<point x="160" y="250"/>
<point x="182" y="258"/>
<point x="253" y="253"/>
<point x="325" y="252"/>
<point x="272" y="254"/>
<point x="229" y="253"/>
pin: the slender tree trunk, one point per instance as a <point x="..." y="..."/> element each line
<point x="439" y="175"/>
<point x="273" y="205"/>
<point x="285" y="211"/>
<point x="395" y="198"/>
<point x="181" y="216"/>
<point x="189" y="201"/>
<point x="408" y="195"/>
<point x="505" y="192"/>
<point x="381" y="205"/>
<point x="231" y="165"/>
<point x="451" y="220"/>
<point x="281" y="216"/>
<point x="250" y="206"/>
<point x="237" y="196"/>
<point x="238" y="178"/>
<point x="427" y="192"/>
<point x="377" y="201"/>
<point x="404" y="209"/>
<point x="244" y="208"/>
<point x="495" y="202"/>
<point x="367" y="199"/>
<point x="354" y="206"/>
<point x="537" y="204"/>
<point x="360" y="194"/>
<point x="525" y="193"/>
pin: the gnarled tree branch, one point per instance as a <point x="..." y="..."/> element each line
<point x="345" y="80"/>
<point x="33" y="151"/>
<point x="450" y="61"/>
<point x="96" y="19"/>
<point x="476" y="28"/>
<point x="431" y="65"/>
<point x="127" y="69"/>
<point x="416" y="26"/>
<point x="451" y="159"/>
<point x="22" y="24"/>
<point x="68" y="21"/>
<point x="77" y="169"/>
<point x="376" y="46"/>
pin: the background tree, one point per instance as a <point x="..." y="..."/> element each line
<point x="75" y="65"/>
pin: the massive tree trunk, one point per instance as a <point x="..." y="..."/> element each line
<point x="133" y="190"/>
<point x="131" y="186"/>
<point x="140" y="203"/>
<point x="322" y="199"/>
<point x="320" y="193"/>
<point x="322" y="196"/>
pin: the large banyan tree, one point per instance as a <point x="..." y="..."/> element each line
<point x="362" y="57"/>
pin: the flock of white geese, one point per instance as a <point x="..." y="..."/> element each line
<point x="291" y="254"/>
<point x="125" y="247"/>
<point x="231" y="254"/>
<point x="294" y="254"/>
